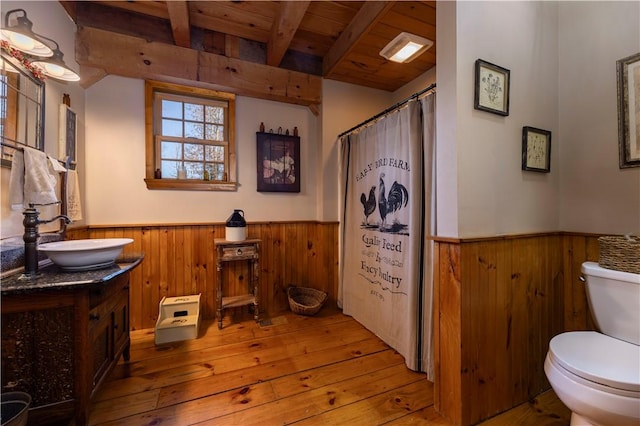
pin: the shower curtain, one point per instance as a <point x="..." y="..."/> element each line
<point x="386" y="278"/>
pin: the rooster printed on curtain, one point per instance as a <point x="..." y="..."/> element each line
<point x="383" y="205"/>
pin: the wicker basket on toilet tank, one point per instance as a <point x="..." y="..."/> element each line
<point x="620" y="253"/>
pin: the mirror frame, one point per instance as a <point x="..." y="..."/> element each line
<point x="8" y="146"/>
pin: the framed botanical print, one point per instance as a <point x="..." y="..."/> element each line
<point x="536" y="149"/>
<point x="491" y="88"/>
<point x="278" y="162"/>
<point x="628" y="73"/>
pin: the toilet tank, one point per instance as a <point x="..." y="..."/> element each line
<point x="614" y="300"/>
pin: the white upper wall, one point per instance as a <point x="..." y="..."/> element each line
<point x="446" y="121"/>
<point x="495" y="196"/>
<point x="597" y="196"/>
<point x="420" y="83"/>
<point x="116" y="163"/>
<point x="562" y="60"/>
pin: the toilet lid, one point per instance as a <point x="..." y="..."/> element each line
<point x="598" y="358"/>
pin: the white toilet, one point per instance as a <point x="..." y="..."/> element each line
<point x="597" y="374"/>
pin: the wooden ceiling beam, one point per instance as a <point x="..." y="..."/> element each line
<point x="70" y="8"/>
<point x="238" y="29"/>
<point x="284" y="28"/>
<point x="134" y="57"/>
<point x="121" y="20"/>
<point x="368" y="15"/>
<point x="151" y="8"/>
<point x="179" y="18"/>
<point x="90" y="75"/>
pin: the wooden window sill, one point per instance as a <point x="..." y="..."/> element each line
<point x="190" y="185"/>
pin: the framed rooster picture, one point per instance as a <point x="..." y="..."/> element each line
<point x="278" y="162"/>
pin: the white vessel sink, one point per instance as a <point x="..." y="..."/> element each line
<point x="80" y="255"/>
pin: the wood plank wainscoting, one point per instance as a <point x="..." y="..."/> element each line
<point x="180" y="260"/>
<point x="498" y="300"/>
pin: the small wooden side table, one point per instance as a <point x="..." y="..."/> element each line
<point x="231" y="251"/>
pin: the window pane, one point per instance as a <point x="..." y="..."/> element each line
<point x="193" y="151"/>
<point x="214" y="153"/>
<point x="172" y="128"/>
<point x="194" y="170"/>
<point x="193" y="130"/>
<point x="215" y="115"/>
<point x="170" y="169"/>
<point x="193" y="112"/>
<point x="217" y="171"/>
<point x="170" y="150"/>
<point x="171" y="109"/>
<point x="214" y="133"/>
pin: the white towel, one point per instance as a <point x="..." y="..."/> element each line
<point x="16" y="181"/>
<point x="38" y="184"/>
<point x="56" y="165"/>
<point x="74" y="206"/>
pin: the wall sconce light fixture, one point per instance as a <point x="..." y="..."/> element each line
<point x="20" y="36"/>
<point x="405" y="47"/>
<point x="55" y="67"/>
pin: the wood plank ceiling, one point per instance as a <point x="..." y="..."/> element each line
<point x="277" y="50"/>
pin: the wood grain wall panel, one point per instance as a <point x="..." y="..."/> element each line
<point x="577" y="249"/>
<point x="180" y="260"/>
<point x="447" y="332"/>
<point x="509" y="294"/>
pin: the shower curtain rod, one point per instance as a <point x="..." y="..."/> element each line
<point x="388" y="110"/>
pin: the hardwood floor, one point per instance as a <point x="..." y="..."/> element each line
<point x="321" y="370"/>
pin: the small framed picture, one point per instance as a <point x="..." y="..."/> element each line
<point x="628" y="73"/>
<point x="492" y="88"/>
<point x="536" y="150"/>
<point x="67" y="135"/>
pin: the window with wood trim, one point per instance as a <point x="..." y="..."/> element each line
<point x="9" y="106"/>
<point x="190" y="138"/>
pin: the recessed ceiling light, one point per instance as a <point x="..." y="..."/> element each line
<point x="405" y="47"/>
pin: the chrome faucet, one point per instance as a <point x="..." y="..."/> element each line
<point x="30" y="237"/>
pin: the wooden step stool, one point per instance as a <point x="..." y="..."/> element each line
<point x="179" y="319"/>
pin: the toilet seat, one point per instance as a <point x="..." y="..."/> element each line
<point x="598" y="361"/>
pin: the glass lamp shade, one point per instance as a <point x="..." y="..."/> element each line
<point x="20" y="35"/>
<point x="55" y="67"/>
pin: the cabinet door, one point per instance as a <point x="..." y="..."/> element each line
<point x="121" y="322"/>
<point x="101" y="346"/>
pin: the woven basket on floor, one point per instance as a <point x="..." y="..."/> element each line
<point x="620" y="253"/>
<point x="305" y="301"/>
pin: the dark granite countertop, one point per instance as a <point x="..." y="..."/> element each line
<point x="51" y="277"/>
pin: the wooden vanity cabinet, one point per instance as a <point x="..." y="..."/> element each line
<point x="59" y="345"/>
<point x="108" y="329"/>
